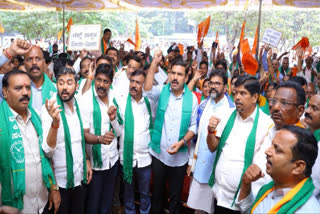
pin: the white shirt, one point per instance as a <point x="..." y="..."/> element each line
<point x="36" y="196"/>
<point x="58" y="154"/>
<point x="316" y="175"/>
<point x="141" y="139"/>
<point x="109" y="153"/>
<point x="121" y="85"/>
<point x="231" y="162"/>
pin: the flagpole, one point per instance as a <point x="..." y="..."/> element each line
<point x="63" y="36"/>
<point x="259" y="23"/>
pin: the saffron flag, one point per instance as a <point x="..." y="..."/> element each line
<point x="131" y="42"/>
<point x="137" y="37"/>
<point x="303" y="43"/>
<point x="70" y="22"/>
<point x="203" y="28"/>
<point x="181" y="48"/>
<point x="242" y="31"/>
<point x="244" y="46"/>
<point x="200" y="29"/>
<point x="60" y="34"/>
<point x="1" y="29"/>
<point x="254" y="46"/>
<point x="217" y="37"/>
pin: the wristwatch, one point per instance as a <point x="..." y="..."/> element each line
<point x="184" y="142"/>
<point x="54" y="187"/>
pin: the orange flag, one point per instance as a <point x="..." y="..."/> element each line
<point x="244" y="46"/>
<point x="181" y="49"/>
<point x="70" y="22"/>
<point x="250" y="64"/>
<point x="242" y="31"/>
<point x="254" y="46"/>
<point x="217" y="37"/>
<point x="137" y="37"/>
<point x="60" y="34"/>
<point x="200" y="30"/>
<point x="131" y="42"/>
<point x="206" y="25"/>
<point x="1" y="29"/>
<point x="303" y="43"/>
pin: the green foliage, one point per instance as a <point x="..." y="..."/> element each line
<point x="293" y="24"/>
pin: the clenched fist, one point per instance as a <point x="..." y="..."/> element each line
<point x="213" y="123"/>
<point x="252" y="174"/>
<point x="112" y="112"/>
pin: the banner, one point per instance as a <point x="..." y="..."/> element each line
<point x="84" y="37"/>
<point x="271" y="37"/>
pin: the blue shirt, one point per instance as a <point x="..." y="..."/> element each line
<point x="171" y="126"/>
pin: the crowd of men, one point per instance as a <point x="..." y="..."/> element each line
<point x="74" y="133"/>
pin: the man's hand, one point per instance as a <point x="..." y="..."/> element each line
<point x="91" y="69"/>
<point x="54" y="200"/>
<point x="112" y="113"/>
<point x="53" y="111"/>
<point x="7" y="210"/>
<point x="194" y="65"/>
<point x="157" y="57"/>
<point x="107" y="138"/>
<point x="197" y="75"/>
<point x="19" y="47"/>
<point x="252" y="174"/>
<point x="89" y="171"/>
<point x="189" y="170"/>
<point x="174" y="148"/>
<point x="299" y="52"/>
<point x="213" y="123"/>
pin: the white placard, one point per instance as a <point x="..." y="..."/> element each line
<point x="271" y="37"/>
<point x="84" y="37"/>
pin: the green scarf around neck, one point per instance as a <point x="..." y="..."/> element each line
<point x="316" y="134"/>
<point x="249" y="151"/>
<point x="68" y="148"/>
<point x="48" y="89"/>
<point x="298" y="200"/>
<point x="187" y="103"/>
<point x="129" y="137"/>
<point x="12" y="158"/>
<point x="96" y="149"/>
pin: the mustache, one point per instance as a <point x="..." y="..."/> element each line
<point x="175" y="81"/>
<point x="64" y="92"/>
<point x="101" y="88"/>
<point x="308" y="116"/>
<point x="133" y="89"/>
<point x="24" y="98"/>
<point x="34" y="67"/>
<point x="213" y="90"/>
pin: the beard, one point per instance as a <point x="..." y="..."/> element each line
<point x="215" y="93"/>
<point x="65" y="100"/>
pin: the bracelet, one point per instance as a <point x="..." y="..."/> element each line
<point x="90" y="77"/>
<point x="9" y="56"/>
<point x="213" y="133"/>
<point x="98" y="139"/>
<point x="55" y="127"/>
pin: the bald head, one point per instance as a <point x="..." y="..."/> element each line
<point x="311" y="90"/>
<point x="34" y="63"/>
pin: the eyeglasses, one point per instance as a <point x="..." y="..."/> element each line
<point x="218" y="84"/>
<point x="283" y="103"/>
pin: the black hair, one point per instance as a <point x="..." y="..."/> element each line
<point x="63" y="55"/>
<point x="55" y="45"/>
<point x="83" y="59"/>
<point x="105" y="69"/>
<point x="106" y="57"/>
<point x="204" y="82"/>
<point x="58" y="64"/>
<point x="46" y="56"/>
<point x="66" y="70"/>
<point x="146" y="67"/>
<point x="220" y="73"/>
<point x="106" y="30"/>
<point x="223" y="63"/>
<point x="203" y="62"/>
<point x="126" y="58"/>
<point x="305" y="149"/>
<point x="300" y="80"/>
<point x="138" y="72"/>
<point x="273" y="84"/>
<point x="301" y="95"/>
<point x="112" y="49"/>
<point x="70" y="62"/>
<point x="250" y="83"/>
<point x="136" y="58"/>
<point x="179" y="62"/>
<point x="15" y="71"/>
<point x="235" y="76"/>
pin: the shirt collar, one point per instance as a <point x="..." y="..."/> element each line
<point x="251" y="117"/>
<point x="18" y="116"/>
<point x="139" y="102"/>
<point x="180" y="94"/>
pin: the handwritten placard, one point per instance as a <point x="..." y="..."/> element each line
<point x="84" y="37"/>
<point x="271" y="37"/>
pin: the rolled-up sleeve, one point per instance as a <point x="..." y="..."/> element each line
<point x="154" y="93"/>
<point x="46" y="124"/>
<point x="246" y="203"/>
<point x="3" y="59"/>
<point x="193" y="121"/>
